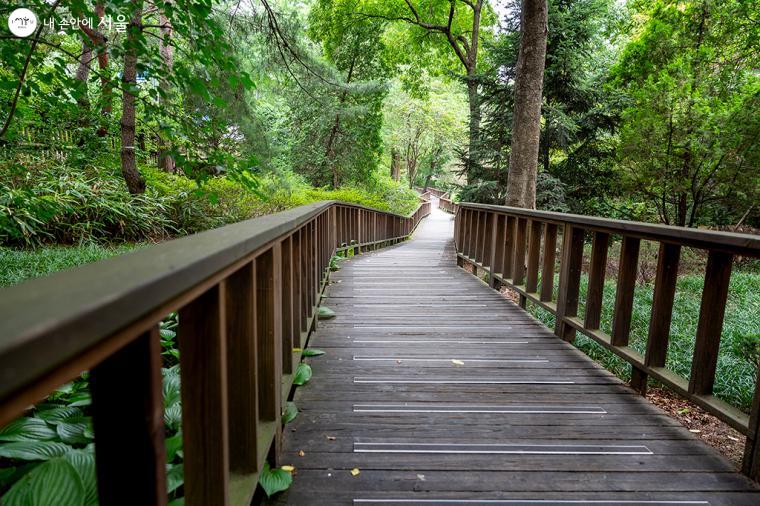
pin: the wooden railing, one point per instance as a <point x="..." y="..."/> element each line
<point x="517" y="247"/>
<point x="246" y="295"/>
<point x="447" y="205"/>
<point x="433" y="191"/>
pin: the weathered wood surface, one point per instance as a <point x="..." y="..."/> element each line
<point x="526" y="419"/>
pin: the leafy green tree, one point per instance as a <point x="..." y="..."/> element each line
<point x="688" y="140"/>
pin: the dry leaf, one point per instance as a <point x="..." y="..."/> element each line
<point x="297" y="350"/>
<point x="355" y="471"/>
<point x="457" y="362"/>
<point x="330" y="438"/>
<point x="695" y="431"/>
<point x="289" y="469"/>
<point x="301" y="453"/>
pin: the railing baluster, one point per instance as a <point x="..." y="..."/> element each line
<point x="597" y="271"/>
<point x="626" y="284"/>
<point x="751" y="460"/>
<point x="547" y="269"/>
<point x="710" y="326"/>
<point x="488" y="235"/>
<point x="499" y="226"/>
<point x="128" y="418"/>
<point x="203" y="369"/>
<point x="288" y="343"/>
<point x="569" y="280"/>
<point x="662" y="304"/>
<point x="534" y="253"/>
<point x="268" y="345"/>
<point x="509" y="246"/>
<point x="518" y="257"/>
<point x="241" y="370"/>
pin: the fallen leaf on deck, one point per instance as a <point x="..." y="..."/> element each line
<point x="355" y="471"/>
<point x="457" y="362"/>
<point x="289" y="469"/>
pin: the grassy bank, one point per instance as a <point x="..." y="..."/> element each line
<point x="740" y="339"/>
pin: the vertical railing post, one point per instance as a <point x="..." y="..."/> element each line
<point x="534" y="254"/>
<point x="509" y="247"/>
<point x="569" y="280"/>
<point x="662" y="304"/>
<point x="624" y="295"/>
<point x="128" y="418"/>
<point x="203" y="369"/>
<point x="241" y="369"/>
<point x="710" y="326"/>
<point x="287" y="316"/>
<point x="547" y="268"/>
<point x="751" y="460"/>
<point x="597" y="271"/>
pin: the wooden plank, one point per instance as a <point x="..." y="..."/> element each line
<point x="569" y="280"/>
<point x="269" y="347"/>
<point x="518" y="257"/>
<point x="626" y="283"/>
<point x="597" y="271"/>
<point x="203" y="367"/>
<point x="710" y="326"/>
<point x="662" y="304"/>
<point x="241" y="369"/>
<point x="534" y="253"/>
<point x="128" y="420"/>
<point x="547" y="268"/>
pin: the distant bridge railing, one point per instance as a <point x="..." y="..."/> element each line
<point x="246" y="295"/>
<point x="447" y="205"/>
<point x="517" y="247"/>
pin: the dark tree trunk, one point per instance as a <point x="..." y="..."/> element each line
<point x="473" y="100"/>
<point x="83" y="99"/>
<point x="526" y="125"/>
<point x="135" y="182"/>
<point x="395" y="164"/>
<point x="166" y="51"/>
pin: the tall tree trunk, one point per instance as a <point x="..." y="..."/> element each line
<point x="330" y="148"/>
<point x="100" y="42"/>
<point x="526" y="125"/>
<point x="473" y="100"/>
<point x="82" y="76"/>
<point x="166" y="51"/>
<point x="395" y="164"/>
<point x="135" y="182"/>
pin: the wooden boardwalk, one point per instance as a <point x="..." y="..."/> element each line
<point x="440" y="391"/>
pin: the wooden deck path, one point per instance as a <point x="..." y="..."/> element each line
<point x="439" y="391"/>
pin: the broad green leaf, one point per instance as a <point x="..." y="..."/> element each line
<point x="313" y="352"/>
<point x="54" y="482"/>
<point x="303" y="374"/>
<point x="290" y="413"/>
<point x="84" y="463"/>
<point x="33" y="450"/>
<point x="173" y="446"/>
<point x="80" y="399"/>
<point x="175" y="477"/>
<point x="27" y="429"/>
<point x="58" y="415"/>
<point x="325" y="313"/>
<point x="74" y="432"/>
<point x="173" y="416"/>
<point x="274" y="480"/>
<point x="177" y="502"/>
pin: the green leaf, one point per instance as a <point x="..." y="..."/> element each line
<point x="180" y="501"/>
<point x="33" y="450"/>
<point x="313" y="352"/>
<point x="75" y="431"/>
<point x="175" y="477"/>
<point x="84" y="463"/>
<point x="54" y="482"/>
<point x="173" y="446"/>
<point x="303" y="374"/>
<point x="27" y="429"/>
<point x="325" y="313"/>
<point x="173" y="416"/>
<point x="58" y="415"/>
<point x="290" y="413"/>
<point x="274" y="480"/>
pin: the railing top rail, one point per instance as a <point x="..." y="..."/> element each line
<point x="48" y="321"/>
<point x="743" y="244"/>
